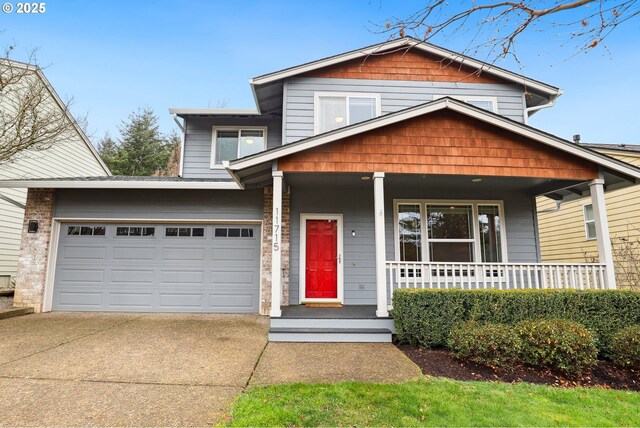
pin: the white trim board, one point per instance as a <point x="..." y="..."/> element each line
<point x="303" y="257"/>
<point x="114" y="184"/>
<point x="430" y="107"/>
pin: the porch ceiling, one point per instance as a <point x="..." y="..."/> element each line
<point x="454" y="184"/>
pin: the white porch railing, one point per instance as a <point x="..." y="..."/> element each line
<point x="501" y="276"/>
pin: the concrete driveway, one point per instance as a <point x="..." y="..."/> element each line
<point x="125" y="369"/>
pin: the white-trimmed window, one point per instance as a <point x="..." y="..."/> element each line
<point x="231" y="143"/>
<point x="333" y="110"/>
<point x="450" y="231"/>
<point x="487" y="103"/>
<point x="589" y="222"/>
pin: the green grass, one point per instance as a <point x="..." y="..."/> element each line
<point x="434" y="402"/>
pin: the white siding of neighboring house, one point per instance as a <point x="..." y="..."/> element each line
<point x="71" y="158"/>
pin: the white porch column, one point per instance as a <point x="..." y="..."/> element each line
<point x="605" y="252"/>
<point x="276" y="253"/>
<point x="381" y="271"/>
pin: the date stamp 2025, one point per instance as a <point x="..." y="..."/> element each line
<point x="24" y="8"/>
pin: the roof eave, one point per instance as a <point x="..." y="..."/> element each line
<point x="109" y="184"/>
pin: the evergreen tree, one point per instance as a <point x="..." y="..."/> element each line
<point x="141" y="150"/>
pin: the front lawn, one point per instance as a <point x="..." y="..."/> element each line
<point x="434" y="402"/>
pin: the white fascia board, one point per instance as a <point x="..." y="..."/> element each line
<point x="214" y="111"/>
<point x="409" y="43"/>
<point x="460" y="107"/>
<point x="74" y="184"/>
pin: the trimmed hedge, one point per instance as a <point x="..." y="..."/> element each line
<point x="559" y="344"/>
<point x="491" y="344"/>
<point x="425" y="317"/>
<point x="625" y="347"/>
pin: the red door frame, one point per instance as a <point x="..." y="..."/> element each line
<point x="338" y="296"/>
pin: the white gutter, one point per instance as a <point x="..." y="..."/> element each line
<point x="528" y="111"/>
<point x="114" y="184"/>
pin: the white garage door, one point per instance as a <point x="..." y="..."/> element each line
<point x="157" y="268"/>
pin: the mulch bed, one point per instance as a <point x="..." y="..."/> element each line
<point x="441" y="363"/>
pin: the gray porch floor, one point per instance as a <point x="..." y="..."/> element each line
<point x="345" y="312"/>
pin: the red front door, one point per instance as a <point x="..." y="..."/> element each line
<point x="321" y="276"/>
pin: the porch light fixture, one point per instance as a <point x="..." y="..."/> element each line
<point x="339" y="119"/>
<point x="353" y="233"/>
<point x="365" y="177"/>
<point x="477" y="180"/>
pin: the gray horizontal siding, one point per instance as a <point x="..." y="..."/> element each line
<point x="395" y="95"/>
<point x="356" y="206"/>
<point x="197" y="148"/>
<point x="160" y="204"/>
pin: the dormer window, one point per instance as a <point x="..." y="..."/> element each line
<point x="336" y="110"/>
<point x="231" y="143"/>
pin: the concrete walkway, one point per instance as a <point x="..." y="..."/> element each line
<point x="80" y="369"/>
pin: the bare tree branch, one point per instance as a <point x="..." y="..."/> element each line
<point x="30" y="118"/>
<point x="501" y="23"/>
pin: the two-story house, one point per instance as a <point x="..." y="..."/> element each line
<point x="396" y="165"/>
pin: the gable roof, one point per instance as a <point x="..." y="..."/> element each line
<point x="407" y="43"/>
<point x="445" y="103"/>
<point x="627" y="148"/>
<point x="38" y="71"/>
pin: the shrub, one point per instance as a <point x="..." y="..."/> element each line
<point x="425" y="317"/>
<point x="625" y="347"/>
<point x="556" y="343"/>
<point x="485" y="343"/>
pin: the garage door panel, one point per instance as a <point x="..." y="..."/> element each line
<point x="129" y="276"/>
<point x="182" y="277"/>
<point x="134" y="253"/>
<point x="82" y="276"/>
<point x="233" y="254"/>
<point x="190" y="254"/>
<point x="84" y="252"/>
<point x="234" y="302"/>
<point x="131" y="299"/>
<point x="155" y="273"/>
<point x="79" y="299"/>
<point x="233" y="277"/>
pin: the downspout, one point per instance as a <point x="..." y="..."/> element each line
<point x="184" y="136"/>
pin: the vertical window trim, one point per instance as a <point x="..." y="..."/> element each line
<point x="466" y="99"/>
<point x="346" y="95"/>
<point x="214" y="133"/>
<point x="426" y="256"/>
<point x="585" y="221"/>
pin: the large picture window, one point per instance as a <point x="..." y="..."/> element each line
<point x="450" y="231"/>
<point x="235" y="143"/>
<point x="335" y="110"/>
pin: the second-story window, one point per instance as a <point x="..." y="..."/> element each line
<point x="235" y="143"/>
<point x="335" y="110"/>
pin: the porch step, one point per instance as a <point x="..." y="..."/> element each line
<point x="377" y="335"/>
<point x="334" y="323"/>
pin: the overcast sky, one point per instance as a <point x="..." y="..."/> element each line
<point x="114" y="57"/>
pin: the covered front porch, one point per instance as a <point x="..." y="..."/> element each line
<point x="419" y="231"/>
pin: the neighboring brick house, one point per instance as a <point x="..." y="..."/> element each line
<point x="396" y="165"/>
